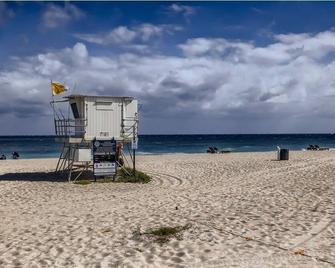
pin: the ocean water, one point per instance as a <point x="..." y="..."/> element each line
<point x="45" y="146"/>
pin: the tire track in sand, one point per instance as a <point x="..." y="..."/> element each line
<point x="163" y="177"/>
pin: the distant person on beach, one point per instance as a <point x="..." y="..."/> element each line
<point x="3" y="157"/>
<point x="15" y="155"/>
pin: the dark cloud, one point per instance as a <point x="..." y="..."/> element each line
<point x="268" y="96"/>
<point x="24" y="109"/>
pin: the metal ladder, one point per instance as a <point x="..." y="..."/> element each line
<point x="66" y="162"/>
<point x="66" y="159"/>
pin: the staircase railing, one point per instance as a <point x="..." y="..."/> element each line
<point x="130" y="128"/>
<point x="70" y="127"/>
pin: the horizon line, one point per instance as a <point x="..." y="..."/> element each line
<point x="186" y="134"/>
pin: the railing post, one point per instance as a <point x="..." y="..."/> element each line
<point x="134" y="140"/>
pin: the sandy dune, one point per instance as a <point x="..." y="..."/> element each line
<point x="246" y="210"/>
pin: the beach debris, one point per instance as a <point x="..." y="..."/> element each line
<point x="107" y="230"/>
<point x="248" y="238"/>
<point x="316" y="147"/>
<point x="163" y="234"/>
<point x="299" y="251"/>
<point x="214" y="150"/>
<point x="82" y="182"/>
<point x="176" y="207"/>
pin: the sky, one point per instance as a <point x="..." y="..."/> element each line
<point x="195" y="67"/>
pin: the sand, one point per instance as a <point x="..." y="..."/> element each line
<point x="245" y="210"/>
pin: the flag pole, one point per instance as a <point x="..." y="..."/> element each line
<point x="53" y="106"/>
<point x="52" y="95"/>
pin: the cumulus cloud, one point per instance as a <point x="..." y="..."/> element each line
<point x="119" y="35"/>
<point x="125" y="35"/>
<point x="5" y="13"/>
<point x="236" y="84"/>
<point x="56" y="15"/>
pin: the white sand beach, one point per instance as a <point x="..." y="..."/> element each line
<point x="244" y="209"/>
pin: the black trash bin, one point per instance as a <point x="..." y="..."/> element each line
<point x="283" y="154"/>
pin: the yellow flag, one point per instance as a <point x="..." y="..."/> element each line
<point x="57" y="88"/>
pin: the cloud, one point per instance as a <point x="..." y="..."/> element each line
<point x="258" y="10"/>
<point x="138" y="48"/>
<point x="182" y="9"/>
<point x="124" y="35"/>
<point x="118" y="35"/>
<point x="228" y="85"/>
<point x="213" y="46"/>
<point x="5" y="13"/>
<point x="56" y="15"/>
<point x="289" y="73"/>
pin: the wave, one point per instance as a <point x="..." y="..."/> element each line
<point x="144" y="153"/>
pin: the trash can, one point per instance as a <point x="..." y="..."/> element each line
<point x="282" y="154"/>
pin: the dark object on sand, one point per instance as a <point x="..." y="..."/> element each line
<point x="312" y="147"/>
<point x="211" y="150"/>
<point x="316" y="147"/>
<point x="3" y="157"/>
<point x="282" y="154"/>
<point x="15" y="155"/>
<point x="214" y="150"/>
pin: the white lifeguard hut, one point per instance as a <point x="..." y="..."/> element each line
<point x="91" y="118"/>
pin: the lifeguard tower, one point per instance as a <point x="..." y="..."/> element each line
<point x="94" y="132"/>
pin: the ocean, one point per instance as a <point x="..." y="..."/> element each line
<point x="46" y="147"/>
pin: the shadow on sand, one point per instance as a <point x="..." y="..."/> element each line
<point x="43" y="176"/>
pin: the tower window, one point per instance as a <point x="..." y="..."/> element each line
<point x="74" y="109"/>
